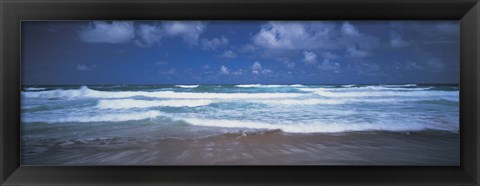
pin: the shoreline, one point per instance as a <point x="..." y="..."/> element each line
<point x="434" y="148"/>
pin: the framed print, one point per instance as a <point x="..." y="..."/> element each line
<point x="240" y="93"/>
<point x="304" y="92"/>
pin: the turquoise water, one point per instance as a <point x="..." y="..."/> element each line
<point x="202" y="110"/>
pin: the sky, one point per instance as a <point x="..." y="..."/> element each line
<point x="239" y="52"/>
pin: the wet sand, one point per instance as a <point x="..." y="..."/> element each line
<point x="261" y="148"/>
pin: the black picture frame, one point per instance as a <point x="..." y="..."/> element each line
<point x="12" y="12"/>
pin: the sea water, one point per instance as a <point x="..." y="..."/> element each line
<point x="290" y="108"/>
<point x="100" y="123"/>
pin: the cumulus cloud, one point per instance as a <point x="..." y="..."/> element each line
<point x="293" y="35"/>
<point x="148" y="35"/>
<point x="349" y="29"/>
<point x="145" y="35"/>
<point x="229" y="54"/>
<point x="104" y="32"/>
<point x="238" y="72"/>
<point x="309" y="57"/>
<point x="397" y="41"/>
<point x="224" y="70"/>
<point x="281" y="39"/>
<point x="189" y="30"/>
<point x="258" y="69"/>
<point x="214" y="43"/>
<point x="82" y="67"/>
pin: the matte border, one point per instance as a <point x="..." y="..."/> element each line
<point x="12" y="12"/>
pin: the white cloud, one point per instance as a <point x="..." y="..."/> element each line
<point x="266" y="71"/>
<point x="354" y="52"/>
<point x="309" y="57"/>
<point x="206" y="67"/>
<point x="149" y="35"/>
<point x="224" y="70"/>
<point x="229" y="54"/>
<point x="82" y="67"/>
<point x="282" y="39"/>
<point x="258" y="69"/>
<point x="103" y="32"/>
<point x="293" y="35"/>
<point x="397" y="41"/>
<point x="214" y="43"/>
<point x="189" y="30"/>
<point x="238" y="72"/>
<point x="349" y="29"/>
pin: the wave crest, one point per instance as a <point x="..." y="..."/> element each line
<point x="313" y="127"/>
<point x="89" y="93"/>
<point x="132" y="103"/>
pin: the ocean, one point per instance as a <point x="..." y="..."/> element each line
<point x="408" y="124"/>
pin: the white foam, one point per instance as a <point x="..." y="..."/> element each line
<point x="132" y="103"/>
<point x="266" y="86"/>
<point x="117" y="117"/>
<point x="307" y="128"/>
<point x="368" y="88"/>
<point x="89" y="93"/>
<point x="187" y="86"/>
<point x="339" y="94"/>
<point x="34" y="88"/>
<point x="348" y="86"/>
<point x="248" y="85"/>
<point x="58" y="93"/>
<point x="301" y="101"/>
<point x="404" y="85"/>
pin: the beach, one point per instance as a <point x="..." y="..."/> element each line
<point x="296" y="124"/>
<point x="269" y="148"/>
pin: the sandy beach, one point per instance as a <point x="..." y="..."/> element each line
<point x="262" y="148"/>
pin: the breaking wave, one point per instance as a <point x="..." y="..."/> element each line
<point x="187" y="86"/>
<point x="314" y="127"/>
<point x="132" y="103"/>
<point x="89" y="93"/>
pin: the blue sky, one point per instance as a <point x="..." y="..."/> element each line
<point x="239" y="52"/>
